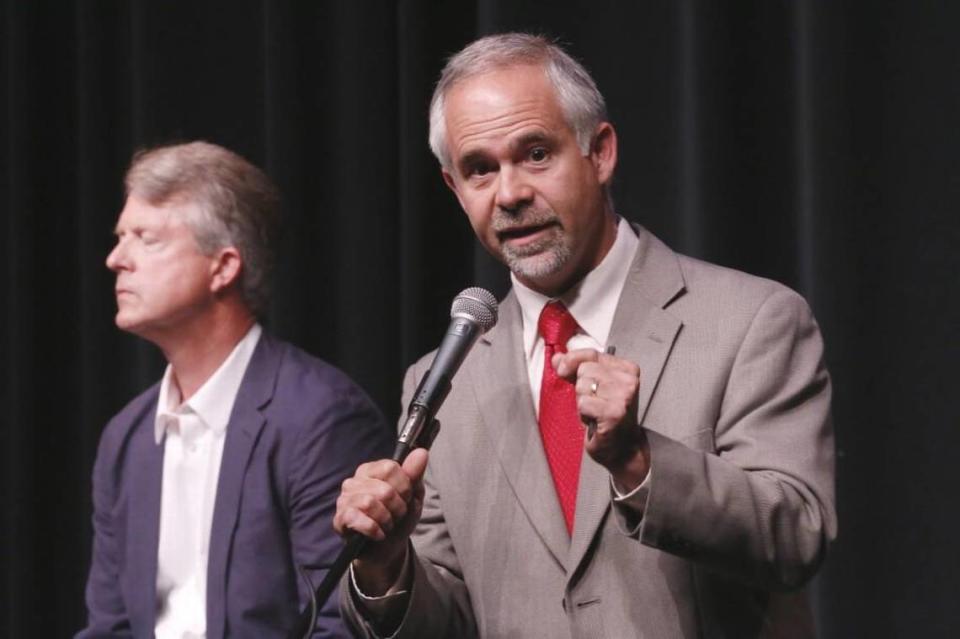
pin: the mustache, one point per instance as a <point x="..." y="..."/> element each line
<point x="527" y="217"/>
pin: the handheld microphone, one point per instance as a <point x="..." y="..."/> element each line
<point x="473" y="313"/>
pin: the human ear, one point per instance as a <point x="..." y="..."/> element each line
<point x="225" y="268"/>
<point x="603" y="152"/>
<point x="451" y="183"/>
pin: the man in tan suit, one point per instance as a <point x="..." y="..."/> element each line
<point x="681" y="486"/>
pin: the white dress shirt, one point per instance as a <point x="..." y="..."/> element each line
<point x="192" y="434"/>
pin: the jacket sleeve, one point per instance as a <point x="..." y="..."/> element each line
<point x="759" y="507"/>
<point x="349" y="432"/>
<point x="106" y="611"/>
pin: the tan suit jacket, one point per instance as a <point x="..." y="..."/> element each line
<point x="735" y="398"/>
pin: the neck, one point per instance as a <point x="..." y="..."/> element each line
<point x="197" y="351"/>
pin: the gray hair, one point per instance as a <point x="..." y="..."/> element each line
<point x="238" y="205"/>
<point x="580" y="100"/>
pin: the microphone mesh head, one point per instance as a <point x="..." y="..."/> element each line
<point x="477" y="304"/>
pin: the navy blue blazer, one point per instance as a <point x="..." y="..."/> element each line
<point x="299" y="427"/>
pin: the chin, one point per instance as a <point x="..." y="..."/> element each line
<point x="540" y="266"/>
<point x="126" y="323"/>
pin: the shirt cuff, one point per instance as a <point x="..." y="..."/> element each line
<point x="380" y="609"/>
<point x="636" y="499"/>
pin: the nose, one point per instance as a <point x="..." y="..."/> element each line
<point x="513" y="190"/>
<point x="117" y="258"/>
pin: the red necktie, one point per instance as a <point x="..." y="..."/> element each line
<point x="560" y="425"/>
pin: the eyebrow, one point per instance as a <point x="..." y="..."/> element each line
<point x="133" y="230"/>
<point x="527" y="139"/>
<point x="471" y="158"/>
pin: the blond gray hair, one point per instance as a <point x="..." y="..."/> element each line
<point x="581" y="102"/>
<point x="237" y="205"/>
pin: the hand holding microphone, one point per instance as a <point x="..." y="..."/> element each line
<point x="382" y="502"/>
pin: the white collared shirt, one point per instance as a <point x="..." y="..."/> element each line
<point x="192" y="434"/>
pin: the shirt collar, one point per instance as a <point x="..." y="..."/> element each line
<point x="213" y="401"/>
<point x="593" y="300"/>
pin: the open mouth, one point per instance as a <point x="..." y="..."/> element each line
<point x="525" y="234"/>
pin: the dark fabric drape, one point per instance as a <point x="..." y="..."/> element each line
<point x="813" y="143"/>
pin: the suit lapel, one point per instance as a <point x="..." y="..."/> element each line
<point x="144" y="522"/>
<point x="500" y="381"/>
<point x="643" y="333"/>
<point x="246" y="422"/>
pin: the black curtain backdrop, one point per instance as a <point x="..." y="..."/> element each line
<point x="814" y="143"/>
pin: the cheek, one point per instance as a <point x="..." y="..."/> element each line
<point x="184" y="282"/>
<point x="571" y="197"/>
<point x="478" y="213"/>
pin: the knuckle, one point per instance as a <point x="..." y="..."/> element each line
<point x="366" y="502"/>
<point x="364" y="469"/>
<point x="384" y="492"/>
<point x="383" y="467"/>
<point x="377" y="469"/>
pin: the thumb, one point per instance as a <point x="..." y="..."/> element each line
<point x="561" y="364"/>
<point x="415" y="464"/>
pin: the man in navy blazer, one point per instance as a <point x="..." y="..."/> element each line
<point x="212" y="487"/>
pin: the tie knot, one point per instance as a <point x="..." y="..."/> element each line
<point x="556" y="324"/>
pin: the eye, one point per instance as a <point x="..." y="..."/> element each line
<point x="147" y="238"/>
<point x="478" y="169"/>
<point x="538" y="154"/>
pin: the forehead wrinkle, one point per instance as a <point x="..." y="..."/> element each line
<point x="483" y="111"/>
<point x="513" y="127"/>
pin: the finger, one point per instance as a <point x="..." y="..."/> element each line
<point x="385" y="513"/>
<point x="605" y="413"/>
<point x="416" y="505"/>
<point x="416" y="464"/>
<point x="418" y="491"/>
<point x="618" y="363"/>
<point x="585" y="384"/>
<point x="566" y="364"/>
<point x="379" y="469"/>
<point x="609" y="365"/>
<point x="395" y="502"/>
<point x="375" y="498"/>
<point x="359" y="522"/>
<point x="607" y="377"/>
<point x="395" y="486"/>
<point x="391" y="473"/>
<point x="591" y="408"/>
